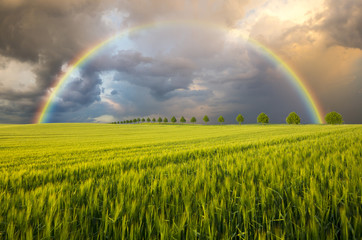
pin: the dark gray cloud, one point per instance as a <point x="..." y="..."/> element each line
<point x="343" y="22"/>
<point x="80" y="93"/>
<point x="220" y="85"/>
<point x="16" y="111"/>
<point x="17" y="106"/>
<point x="46" y="34"/>
<point x="186" y="70"/>
<point x="325" y="51"/>
<point x="160" y="74"/>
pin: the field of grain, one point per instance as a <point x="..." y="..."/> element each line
<point x="155" y="181"/>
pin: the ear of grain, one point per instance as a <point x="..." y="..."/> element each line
<point x="98" y="181"/>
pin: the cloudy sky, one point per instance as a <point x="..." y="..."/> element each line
<point x="195" y="60"/>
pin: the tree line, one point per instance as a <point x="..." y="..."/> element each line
<point x="292" y="118"/>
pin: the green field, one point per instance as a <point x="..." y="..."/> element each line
<point x="155" y="181"/>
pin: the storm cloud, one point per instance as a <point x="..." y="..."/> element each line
<point x="179" y="70"/>
<point x="343" y="23"/>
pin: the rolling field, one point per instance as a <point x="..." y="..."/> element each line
<point x="155" y="181"/>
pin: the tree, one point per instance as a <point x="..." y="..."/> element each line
<point x="173" y="119"/>
<point x="153" y="119"/>
<point x="135" y="120"/>
<point x="221" y="119"/>
<point x="193" y="120"/>
<point x="206" y="119"/>
<point x="240" y="118"/>
<point x="143" y="120"/>
<point x="159" y="120"/>
<point x="148" y="119"/>
<point x="333" y="118"/>
<point x="263" y="118"/>
<point x="293" y="118"/>
<point x="165" y="120"/>
<point x="183" y="120"/>
<point x="138" y="120"/>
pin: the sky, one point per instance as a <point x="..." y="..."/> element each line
<point x="195" y="59"/>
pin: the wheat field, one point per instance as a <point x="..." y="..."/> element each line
<point x="158" y="181"/>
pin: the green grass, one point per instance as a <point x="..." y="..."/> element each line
<point x="155" y="181"/>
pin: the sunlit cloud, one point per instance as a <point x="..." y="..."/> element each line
<point x="104" y="119"/>
<point x="113" y="104"/>
<point x="188" y="70"/>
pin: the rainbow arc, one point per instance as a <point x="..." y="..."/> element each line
<point x="308" y="99"/>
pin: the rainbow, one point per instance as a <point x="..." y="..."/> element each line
<point x="310" y="101"/>
<point x="47" y="104"/>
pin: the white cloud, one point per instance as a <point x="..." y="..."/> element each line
<point x="16" y="75"/>
<point x="104" y="119"/>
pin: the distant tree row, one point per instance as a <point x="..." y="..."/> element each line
<point x="292" y="118"/>
<point x="159" y="120"/>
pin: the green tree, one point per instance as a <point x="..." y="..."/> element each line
<point x="153" y="119"/>
<point x="221" y="119"/>
<point x="182" y="119"/>
<point x="159" y="120"/>
<point x="148" y="119"/>
<point x="240" y="118"/>
<point x="135" y="120"/>
<point x="143" y="119"/>
<point x="206" y="119"/>
<point x="263" y="118"/>
<point x="293" y="118"/>
<point x="173" y="119"/>
<point x="333" y="118"/>
<point x="193" y="120"/>
<point x="138" y="120"/>
<point x="165" y="120"/>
